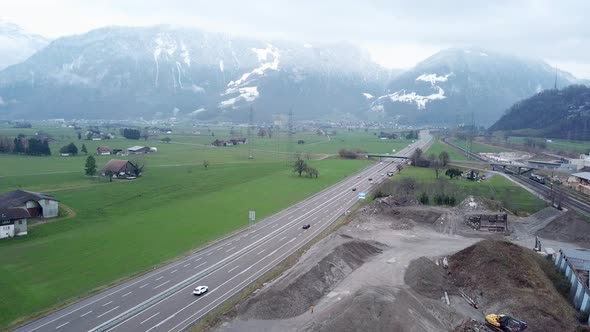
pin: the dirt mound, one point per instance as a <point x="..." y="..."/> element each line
<point x="506" y="278"/>
<point x="294" y="294"/>
<point x="571" y="227"/>
<point x="427" y="278"/>
<point x="386" y="309"/>
<point x="398" y="200"/>
<point x="471" y="326"/>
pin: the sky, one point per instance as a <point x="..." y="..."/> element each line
<point x="398" y="34"/>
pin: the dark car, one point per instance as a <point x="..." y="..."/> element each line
<point x="353" y="189"/>
<point x="370" y="179"/>
<point x="306" y="226"/>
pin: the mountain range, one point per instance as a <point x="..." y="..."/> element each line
<point x="163" y="72"/>
<point x="16" y="45"/>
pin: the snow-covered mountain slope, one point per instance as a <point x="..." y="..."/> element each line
<point x="452" y="84"/>
<point x="120" y="72"/>
<point x="16" y="45"/>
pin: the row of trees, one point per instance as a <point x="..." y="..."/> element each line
<point x="72" y="149"/>
<point x="22" y="145"/>
<point x="351" y="154"/>
<point x="418" y="159"/>
<point x="130" y="133"/>
<point x="300" y="166"/>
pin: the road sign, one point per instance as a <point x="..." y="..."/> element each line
<point x="361" y="195"/>
<point x="252" y="215"/>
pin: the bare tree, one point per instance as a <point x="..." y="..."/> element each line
<point x="140" y="163"/>
<point x="444" y="158"/>
<point x="408" y="185"/>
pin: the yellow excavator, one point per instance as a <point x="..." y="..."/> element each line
<point x="505" y="323"/>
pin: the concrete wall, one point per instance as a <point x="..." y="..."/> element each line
<point x="20" y="227"/>
<point x="50" y="208"/>
<point x="579" y="292"/>
<point x="6" y="231"/>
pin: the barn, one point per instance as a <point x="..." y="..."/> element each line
<point x="119" y="168"/>
<point x="13" y="222"/>
<point x="39" y="205"/>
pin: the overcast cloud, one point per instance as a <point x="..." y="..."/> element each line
<point x="397" y="33"/>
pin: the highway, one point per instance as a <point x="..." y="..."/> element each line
<point x="162" y="300"/>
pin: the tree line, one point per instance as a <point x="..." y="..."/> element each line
<point x="22" y="145"/>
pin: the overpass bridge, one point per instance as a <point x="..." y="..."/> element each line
<point x="381" y="156"/>
<point x="520" y="169"/>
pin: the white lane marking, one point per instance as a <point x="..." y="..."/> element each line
<point x="150" y="317"/>
<point x="314" y="219"/>
<point x="198" y="259"/>
<point x="62" y="325"/>
<point x="160" y="323"/>
<point x="86" y="313"/>
<point x="200" y="265"/>
<point x="173" y="271"/>
<point x="284" y="237"/>
<point x="293" y="239"/>
<point x="289" y="217"/>
<point x="126" y="294"/>
<point x="107" y="303"/>
<point x="107" y="312"/>
<point x="218" y="248"/>
<point x="263" y="250"/>
<point x="209" y="254"/>
<point x="272" y="253"/>
<point x="246" y="269"/>
<point x="160" y="277"/>
<point x="233" y="268"/>
<point x="273" y="226"/>
<point x="162" y="284"/>
<point x="185" y="265"/>
<point x="142" y="286"/>
<point x="230" y="249"/>
<point x="255" y="236"/>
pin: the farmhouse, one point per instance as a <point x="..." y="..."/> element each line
<point x="138" y="149"/>
<point x="103" y="150"/>
<point x="119" y="169"/>
<point x="37" y="204"/>
<point x="13" y="222"/>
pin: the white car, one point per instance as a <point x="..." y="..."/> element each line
<point x="200" y="290"/>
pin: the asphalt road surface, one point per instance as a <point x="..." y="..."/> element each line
<point x="162" y="300"/>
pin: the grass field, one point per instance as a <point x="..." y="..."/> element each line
<point x="125" y="227"/>
<point x="498" y="188"/>
<point x="477" y="147"/>
<point x="557" y="144"/>
<point x="438" y="147"/>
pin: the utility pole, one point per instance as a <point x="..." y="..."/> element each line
<point x="250" y="136"/>
<point x="471" y="136"/>
<point x="290" y="136"/>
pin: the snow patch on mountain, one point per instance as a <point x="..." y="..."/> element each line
<point x="265" y="64"/>
<point x="221" y="65"/>
<point x="247" y="94"/>
<point x="184" y="53"/>
<point x="413" y="97"/>
<point x="197" y="89"/>
<point x="197" y="111"/>
<point x="433" y="78"/>
<point x="368" y="95"/>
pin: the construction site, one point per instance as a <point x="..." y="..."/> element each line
<point x="396" y="265"/>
